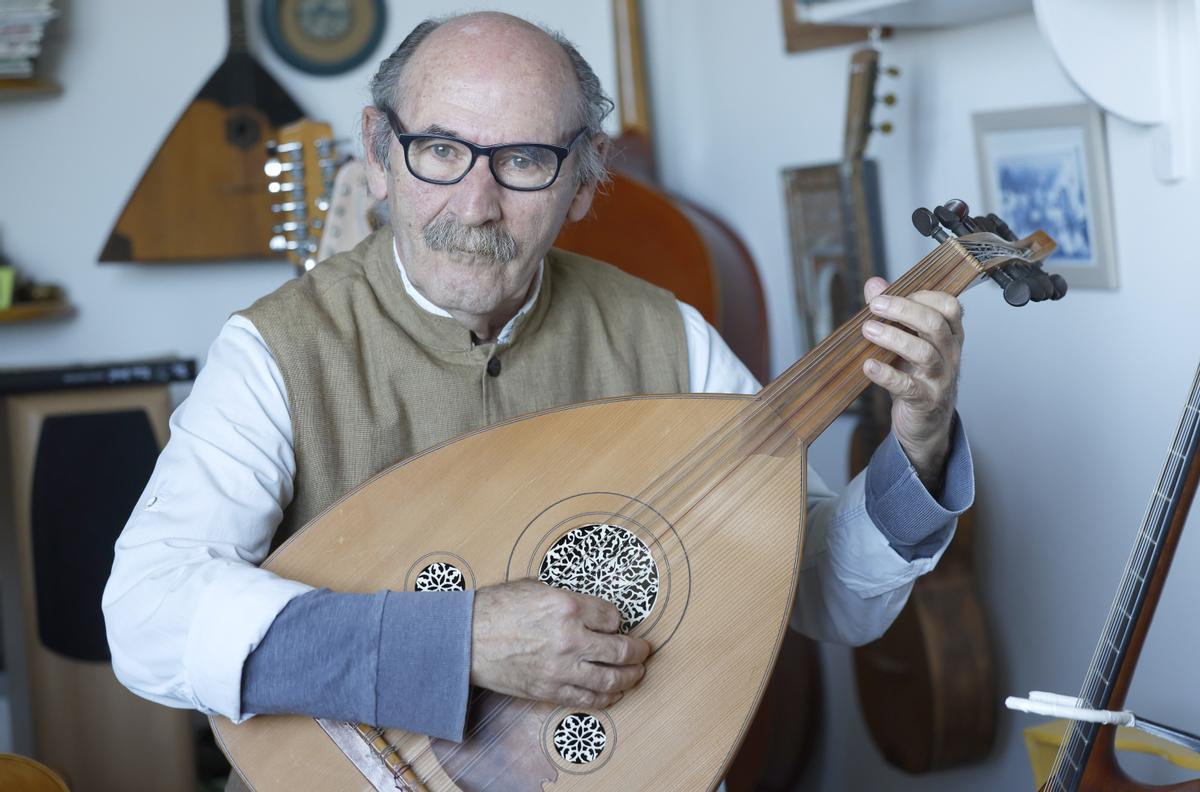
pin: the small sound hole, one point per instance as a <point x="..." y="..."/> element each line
<point x="580" y="738"/>
<point x="440" y="576"/>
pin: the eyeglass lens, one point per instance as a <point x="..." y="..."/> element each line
<point x="522" y="167"/>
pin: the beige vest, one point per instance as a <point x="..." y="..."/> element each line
<point x="372" y="378"/>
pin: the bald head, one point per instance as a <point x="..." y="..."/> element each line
<point x="487" y="61"/>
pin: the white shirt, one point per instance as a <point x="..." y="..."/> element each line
<point x="186" y="602"/>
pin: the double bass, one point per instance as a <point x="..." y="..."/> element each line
<point x="663" y="238"/>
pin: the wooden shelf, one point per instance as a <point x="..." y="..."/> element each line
<point x="31" y="312"/>
<point x="28" y="88"/>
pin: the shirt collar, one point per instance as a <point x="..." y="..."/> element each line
<point x="423" y="302"/>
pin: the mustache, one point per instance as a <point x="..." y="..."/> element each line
<point x="489" y="241"/>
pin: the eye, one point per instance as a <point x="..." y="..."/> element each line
<point x="522" y="159"/>
<point x="442" y="150"/>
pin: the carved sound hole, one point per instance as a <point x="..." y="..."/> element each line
<point x="580" y="738"/>
<point x="440" y="576"/>
<point x="609" y="562"/>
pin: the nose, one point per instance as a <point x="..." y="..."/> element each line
<point x="476" y="198"/>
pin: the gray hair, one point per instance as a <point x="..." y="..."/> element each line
<point x="591" y="111"/>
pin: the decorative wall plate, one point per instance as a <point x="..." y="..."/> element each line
<point x="324" y="37"/>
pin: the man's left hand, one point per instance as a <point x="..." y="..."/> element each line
<point x="927" y="334"/>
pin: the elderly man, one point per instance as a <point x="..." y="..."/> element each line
<point x="485" y="138"/>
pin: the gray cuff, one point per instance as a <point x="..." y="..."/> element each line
<point x="397" y="659"/>
<point x="425" y="662"/>
<point x="915" y="521"/>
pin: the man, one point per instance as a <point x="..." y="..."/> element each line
<point x="457" y="316"/>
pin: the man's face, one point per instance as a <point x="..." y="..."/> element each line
<point x="487" y="86"/>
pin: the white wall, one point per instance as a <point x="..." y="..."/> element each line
<point x="1070" y="406"/>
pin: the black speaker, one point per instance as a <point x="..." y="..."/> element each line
<point x="87" y="476"/>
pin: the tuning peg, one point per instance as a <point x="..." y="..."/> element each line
<point x="927" y="225"/>
<point x="950" y="220"/>
<point x="959" y="207"/>
<point x="892" y="71"/>
<point x="1060" y="286"/>
<point x="1016" y="291"/>
<point x="1002" y="228"/>
<point x="984" y="224"/>
<point x="885" y="128"/>
<point x="889" y="99"/>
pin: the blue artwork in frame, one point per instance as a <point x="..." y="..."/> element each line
<point x="1045" y="168"/>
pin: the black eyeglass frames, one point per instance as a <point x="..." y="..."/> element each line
<point x="445" y="159"/>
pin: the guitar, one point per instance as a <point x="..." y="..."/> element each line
<point x="927" y="687"/>
<point x="704" y="496"/>
<point x="1086" y="759"/>
<point x="199" y="199"/>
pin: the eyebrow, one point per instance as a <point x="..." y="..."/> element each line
<point x="438" y="129"/>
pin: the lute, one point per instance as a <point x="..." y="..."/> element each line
<point x="687" y="512"/>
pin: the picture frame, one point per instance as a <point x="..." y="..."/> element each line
<point x="827" y="270"/>
<point x="1047" y="168"/>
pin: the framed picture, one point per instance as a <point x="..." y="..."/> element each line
<point x="826" y="258"/>
<point x="1047" y="168"/>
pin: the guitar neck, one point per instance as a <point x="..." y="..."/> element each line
<point x="1117" y="652"/>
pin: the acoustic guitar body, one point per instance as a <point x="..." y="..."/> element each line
<point x="201" y="198"/>
<point x="722" y="526"/>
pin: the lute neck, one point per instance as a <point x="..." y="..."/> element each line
<point x="822" y="384"/>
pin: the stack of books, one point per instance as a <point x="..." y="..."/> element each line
<point x="22" y="23"/>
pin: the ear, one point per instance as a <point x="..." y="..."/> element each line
<point x="378" y="176"/>
<point x="582" y="202"/>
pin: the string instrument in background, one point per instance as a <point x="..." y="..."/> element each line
<point x="1087" y="759"/>
<point x="698" y="503"/>
<point x="927" y="687"/>
<point x="663" y="238"/>
<point x="200" y="197"/>
<point x="301" y="164"/>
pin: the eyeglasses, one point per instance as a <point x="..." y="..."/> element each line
<point x="445" y="159"/>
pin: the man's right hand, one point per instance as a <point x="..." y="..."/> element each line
<point x="534" y="641"/>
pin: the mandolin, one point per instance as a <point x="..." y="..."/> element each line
<point x="201" y="196"/>
<point x="697" y="502"/>
<point x="1087" y="757"/>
